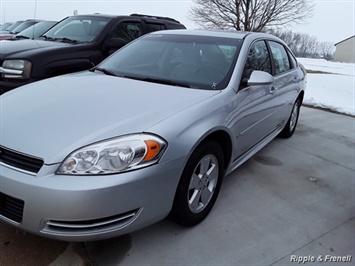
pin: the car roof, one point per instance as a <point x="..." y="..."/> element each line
<point x="208" y="33"/>
<point x="127" y="16"/>
<point x="219" y="33"/>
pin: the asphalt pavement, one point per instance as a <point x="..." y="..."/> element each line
<point x="290" y="204"/>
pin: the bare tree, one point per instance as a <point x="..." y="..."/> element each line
<point x="249" y="15"/>
<point x="304" y="45"/>
<point x="327" y="50"/>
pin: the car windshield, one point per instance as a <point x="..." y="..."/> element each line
<point x="78" y="29"/>
<point x="5" y="26"/>
<point x="22" y="26"/>
<point x="14" y="25"/>
<point x="182" y="60"/>
<point x="36" y="30"/>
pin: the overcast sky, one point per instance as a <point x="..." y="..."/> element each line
<point x="333" y="21"/>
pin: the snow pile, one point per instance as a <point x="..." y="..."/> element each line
<point x="334" y="91"/>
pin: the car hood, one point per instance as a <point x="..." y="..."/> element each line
<point x="6" y="36"/>
<point x="51" y="118"/>
<point x="9" y="48"/>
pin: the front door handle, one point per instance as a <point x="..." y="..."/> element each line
<point x="273" y="89"/>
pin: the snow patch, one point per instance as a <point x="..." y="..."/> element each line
<point x="334" y="91"/>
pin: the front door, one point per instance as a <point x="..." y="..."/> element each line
<point x="255" y="103"/>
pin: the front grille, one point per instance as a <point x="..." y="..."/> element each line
<point x="11" y="208"/>
<point x="20" y="161"/>
<point x="91" y="226"/>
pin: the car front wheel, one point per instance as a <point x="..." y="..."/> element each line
<point x="199" y="185"/>
<point x="291" y="124"/>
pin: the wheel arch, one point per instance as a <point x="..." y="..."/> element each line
<point x="222" y="138"/>
<point x="301" y="96"/>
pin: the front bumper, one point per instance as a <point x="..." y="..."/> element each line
<point x="87" y="208"/>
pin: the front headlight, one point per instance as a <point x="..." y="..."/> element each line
<point x="114" y="155"/>
<point x="16" y="69"/>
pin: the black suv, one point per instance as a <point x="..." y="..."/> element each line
<point x="75" y="43"/>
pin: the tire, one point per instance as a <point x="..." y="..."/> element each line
<point x="291" y="124"/>
<point x="199" y="185"/>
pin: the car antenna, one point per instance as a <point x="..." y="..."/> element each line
<point x="34" y="17"/>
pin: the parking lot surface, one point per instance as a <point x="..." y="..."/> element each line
<point x="292" y="202"/>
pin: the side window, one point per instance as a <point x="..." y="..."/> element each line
<point x="258" y="59"/>
<point x="280" y="57"/>
<point x="155" y="26"/>
<point x="127" y="31"/>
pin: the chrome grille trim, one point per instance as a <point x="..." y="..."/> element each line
<point x="18" y="169"/>
<point x="97" y="226"/>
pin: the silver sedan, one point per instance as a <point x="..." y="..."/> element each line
<point x="148" y="133"/>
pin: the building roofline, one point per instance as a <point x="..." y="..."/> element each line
<point x="344" y="40"/>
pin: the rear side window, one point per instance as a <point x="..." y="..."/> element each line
<point x="280" y="57"/>
<point x="127" y="30"/>
<point x="155" y="26"/>
<point x="175" y="26"/>
<point x="258" y="59"/>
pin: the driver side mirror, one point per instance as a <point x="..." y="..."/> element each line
<point x="258" y="77"/>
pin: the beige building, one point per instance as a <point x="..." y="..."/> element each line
<point x="345" y="50"/>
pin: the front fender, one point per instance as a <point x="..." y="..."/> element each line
<point x="187" y="129"/>
<point x="60" y="67"/>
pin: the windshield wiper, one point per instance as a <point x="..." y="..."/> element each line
<point x="20" y="37"/>
<point x="65" y="40"/>
<point x="104" y="70"/>
<point x="47" y="38"/>
<point x="161" y="81"/>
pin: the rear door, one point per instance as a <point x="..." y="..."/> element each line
<point x="285" y="80"/>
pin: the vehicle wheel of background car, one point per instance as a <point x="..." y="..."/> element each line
<point x="199" y="185"/>
<point x="290" y="127"/>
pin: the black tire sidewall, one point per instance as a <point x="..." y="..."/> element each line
<point x="287" y="132"/>
<point x="181" y="212"/>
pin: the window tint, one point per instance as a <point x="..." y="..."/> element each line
<point x="127" y="31"/>
<point x="258" y="59"/>
<point x="155" y="26"/>
<point x="280" y="57"/>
